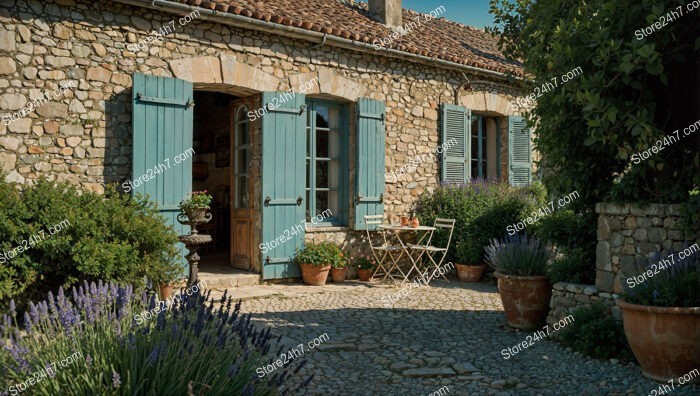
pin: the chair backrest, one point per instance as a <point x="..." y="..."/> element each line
<point x="446" y="224"/>
<point x="373" y="220"/>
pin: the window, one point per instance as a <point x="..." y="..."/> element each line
<point x="326" y="164"/>
<point x="484" y="156"/>
<point x="240" y="159"/>
<point x="479" y="155"/>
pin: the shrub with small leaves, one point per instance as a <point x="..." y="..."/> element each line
<point x="595" y="333"/>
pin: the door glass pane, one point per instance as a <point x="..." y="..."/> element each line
<point x="241" y="161"/>
<point x="241" y="134"/>
<point x="241" y="192"/>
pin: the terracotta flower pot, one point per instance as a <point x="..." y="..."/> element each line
<point x="414" y="222"/>
<point x="364" y="274"/>
<point x="314" y="275"/>
<point x="469" y="273"/>
<point x="165" y="290"/>
<point x="525" y="299"/>
<point x="196" y="214"/>
<point x="338" y="274"/>
<point x="405" y="221"/>
<point x="665" y="340"/>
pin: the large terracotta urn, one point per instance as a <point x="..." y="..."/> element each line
<point x="665" y="340"/>
<point x="525" y="299"/>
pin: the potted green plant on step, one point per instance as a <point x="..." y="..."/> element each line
<point x="661" y="315"/>
<point x="315" y="261"/>
<point x="164" y="276"/>
<point x="196" y="206"/>
<point x="339" y="268"/>
<point x="469" y="256"/>
<point x="365" y="268"/>
<point x="521" y="268"/>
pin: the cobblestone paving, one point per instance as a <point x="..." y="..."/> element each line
<point x="447" y="334"/>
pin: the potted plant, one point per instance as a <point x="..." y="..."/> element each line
<point x="521" y="268"/>
<point x="164" y="275"/>
<point x="661" y="315"/>
<point x="339" y="268"/>
<point x="315" y="261"/>
<point x="196" y="206"/>
<point x="471" y="253"/>
<point x="365" y="268"/>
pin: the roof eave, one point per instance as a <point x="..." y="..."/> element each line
<point x="316" y="37"/>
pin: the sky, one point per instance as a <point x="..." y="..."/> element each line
<point x="467" y="12"/>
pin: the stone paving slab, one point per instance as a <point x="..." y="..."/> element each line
<point x="446" y="334"/>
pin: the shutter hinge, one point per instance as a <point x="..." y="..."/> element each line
<point x="359" y="198"/>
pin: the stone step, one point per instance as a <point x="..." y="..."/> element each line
<point x="223" y="277"/>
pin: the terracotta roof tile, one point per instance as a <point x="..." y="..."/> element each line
<point x="437" y="38"/>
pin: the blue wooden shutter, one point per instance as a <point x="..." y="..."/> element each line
<point x="456" y="137"/>
<point x="369" y="178"/>
<point x="283" y="183"/>
<point x="162" y="130"/>
<point x="519" y="152"/>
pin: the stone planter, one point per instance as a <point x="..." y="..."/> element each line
<point x="196" y="214"/>
<point x="338" y="274"/>
<point x="314" y="275"/>
<point x="525" y="299"/>
<point x="469" y="273"/>
<point x="665" y="340"/>
<point x="365" y="274"/>
<point x="165" y="290"/>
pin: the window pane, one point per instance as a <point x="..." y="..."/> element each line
<point x="322" y="202"/>
<point x="475" y="169"/>
<point x="322" y="144"/>
<point x="308" y="175"/>
<point x="321" y="116"/>
<point x="308" y="206"/>
<point x="322" y="179"/>
<point x="475" y="148"/>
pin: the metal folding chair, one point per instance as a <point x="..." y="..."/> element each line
<point x="432" y="251"/>
<point x="382" y="250"/>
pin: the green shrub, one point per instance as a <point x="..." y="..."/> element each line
<point x="574" y="236"/>
<point x="595" y="333"/>
<point x="482" y="210"/>
<point x="114" y="237"/>
<point x="575" y="266"/>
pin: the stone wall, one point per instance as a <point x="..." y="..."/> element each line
<point x="628" y="237"/>
<point x="568" y="296"/>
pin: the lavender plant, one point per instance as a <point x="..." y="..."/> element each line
<point x="191" y="348"/>
<point x="518" y="255"/>
<point x="676" y="285"/>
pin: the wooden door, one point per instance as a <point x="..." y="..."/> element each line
<point x="241" y="189"/>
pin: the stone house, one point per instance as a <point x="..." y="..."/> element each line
<point x="300" y="117"/>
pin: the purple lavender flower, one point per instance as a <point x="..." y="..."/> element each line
<point x="12" y="308"/>
<point x="116" y="380"/>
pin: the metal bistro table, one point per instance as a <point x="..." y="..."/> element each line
<point x="400" y="231"/>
